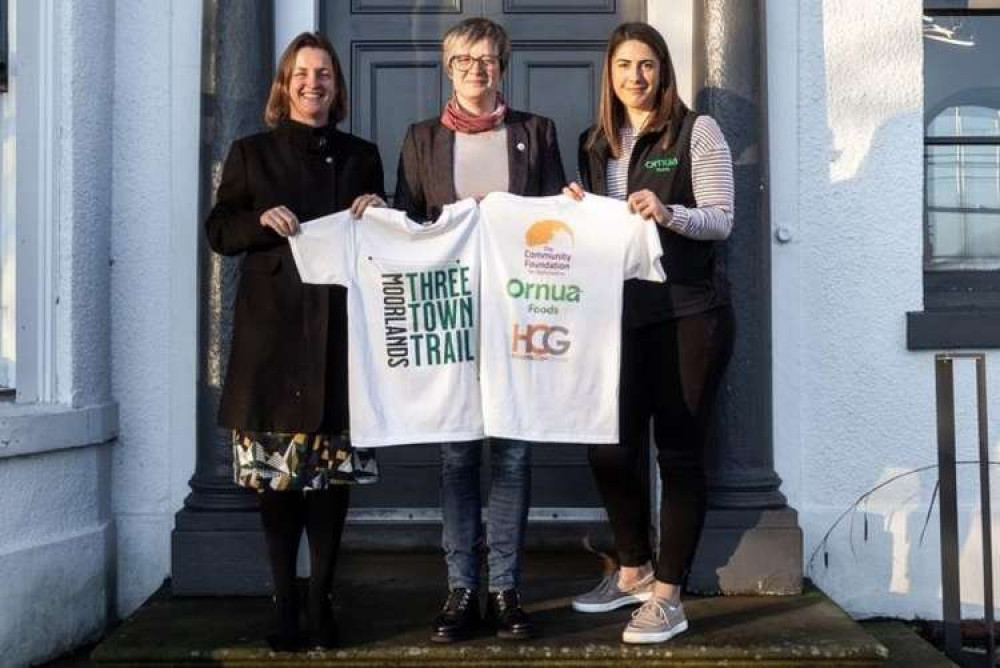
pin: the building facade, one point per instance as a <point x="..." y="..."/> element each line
<point x="101" y="287"/>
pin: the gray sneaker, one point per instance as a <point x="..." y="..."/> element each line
<point x="655" y="621"/>
<point x="607" y="595"/>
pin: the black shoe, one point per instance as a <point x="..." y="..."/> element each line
<point x="458" y="617"/>
<point x="287" y="637"/>
<point x="512" y="622"/>
<point x="323" y="632"/>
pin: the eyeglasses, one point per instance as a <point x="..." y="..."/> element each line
<point x="464" y="62"/>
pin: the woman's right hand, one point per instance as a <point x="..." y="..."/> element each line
<point x="362" y="202"/>
<point x="573" y="191"/>
<point x="281" y="220"/>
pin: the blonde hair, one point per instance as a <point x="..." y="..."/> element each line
<point x="277" y="108"/>
<point x="474" y="30"/>
<point x="668" y="107"/>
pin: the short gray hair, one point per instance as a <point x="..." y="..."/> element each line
<point x="475" y="30"/>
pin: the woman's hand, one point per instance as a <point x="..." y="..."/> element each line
<point x="281" y="220"/>
<point x="648" y="205"/>
<point x="362" y="202"/>
<point x="573" y="191"/>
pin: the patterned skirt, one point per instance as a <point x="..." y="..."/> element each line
<point x="300" y="461"/>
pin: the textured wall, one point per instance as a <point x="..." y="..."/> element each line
<point x="54" y="553"/>
<point x="56" y="547"/>
<point x="853" y="406"/>
<point x="87" y="81"/>
<point x="150" y="50"/>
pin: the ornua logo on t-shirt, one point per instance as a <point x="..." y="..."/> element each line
<point x="548" y="259"/>
<point x="429" y="316"/>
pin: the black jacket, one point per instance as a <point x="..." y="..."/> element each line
<point x="288" y="363"/>
<point x="693" y="285"/>
<point x="426" y="177"/>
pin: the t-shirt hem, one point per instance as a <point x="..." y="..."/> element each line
<point x="417" y="439"/>
<point x="548" y="437"/>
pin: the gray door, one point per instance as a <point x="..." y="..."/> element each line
<point x="390" y="50"/>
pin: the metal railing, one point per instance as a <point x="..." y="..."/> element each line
<point x="947" y="478"/>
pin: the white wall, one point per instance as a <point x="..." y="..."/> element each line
<point x="292" y="17"/>
<point x="852" y="406"/>
<point x="56" y="548"/>
<point x="674" y="19"/>
<point x="154" y="281"/>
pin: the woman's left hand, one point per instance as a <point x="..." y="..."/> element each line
<point x="648" y="205"/>
<point x="362" y="202"/>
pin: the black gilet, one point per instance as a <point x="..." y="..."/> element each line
<point x="692" y="284"/>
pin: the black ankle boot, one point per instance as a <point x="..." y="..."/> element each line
<point x="512" y="622"/>
<point x="459" y="616"/>
<point x="322" y="623"/>
<point x="287" y="636"/>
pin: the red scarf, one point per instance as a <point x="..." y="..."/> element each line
<point x="457" y="119"/>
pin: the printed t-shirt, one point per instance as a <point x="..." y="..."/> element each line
<point x="413" y="319"/>
<point x="553" y="272"/>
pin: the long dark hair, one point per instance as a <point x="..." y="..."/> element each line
<point x="277" y="102"/>
<point x="668" y="108"/>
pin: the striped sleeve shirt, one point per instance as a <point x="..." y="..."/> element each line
<point x="711" y="177"/>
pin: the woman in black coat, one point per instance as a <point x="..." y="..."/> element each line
<point x="285" y="392"/>
<point x="477" y="146"/>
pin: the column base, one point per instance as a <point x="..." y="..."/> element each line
<point x="218" y="554"/>
<point x="741" y="551"/>
<point x="755" y="551"/>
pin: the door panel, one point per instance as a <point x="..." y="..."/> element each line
<point x="391" y="54"/>
<point x="403" y="7"/>
<point x="545" y="79"/>
<point x="383" y="74"/>
<point x="559" y="7"/>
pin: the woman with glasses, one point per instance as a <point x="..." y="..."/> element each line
<point x="479" y="145"/>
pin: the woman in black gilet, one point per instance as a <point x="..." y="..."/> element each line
<point x="673" y="166"/>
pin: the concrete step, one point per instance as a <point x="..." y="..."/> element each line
<point x="906" y="648"/>
<point x="386" y="607"/>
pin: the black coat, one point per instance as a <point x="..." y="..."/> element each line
<point x="288" y="363"/>
<point x="426" y="177"/>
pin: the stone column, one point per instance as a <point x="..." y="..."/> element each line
<point x="217" y="543"/>
<point x="752" y="542"/>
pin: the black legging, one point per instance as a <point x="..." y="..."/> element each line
<point x="671" y="372"/>
<point x="322" y="515"/>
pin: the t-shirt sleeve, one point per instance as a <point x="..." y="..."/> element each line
<point x="643" y="253"/>
<point x="323" y="249"/>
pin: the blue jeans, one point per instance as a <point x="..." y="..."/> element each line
<point x="506" y="518"/>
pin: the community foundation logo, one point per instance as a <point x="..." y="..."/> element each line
<point x="548" y="247"/>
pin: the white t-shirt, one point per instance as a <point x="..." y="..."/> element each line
<point x="413" y="319"/>
<point x="553" y="274"/>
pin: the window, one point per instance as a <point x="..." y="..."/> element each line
<point x="961" y="177"/>
<point x="30" y="211"/>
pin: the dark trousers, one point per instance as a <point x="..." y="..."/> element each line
<point x="671" y="373"/>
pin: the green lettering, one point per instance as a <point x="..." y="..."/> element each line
<point x="433" y="349"/>
<point x="449" y="349"/>
<point x="465" y="312"/>
<point x="447" y="313"/>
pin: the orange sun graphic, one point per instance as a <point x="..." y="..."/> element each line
<point x="542" y="232"/>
